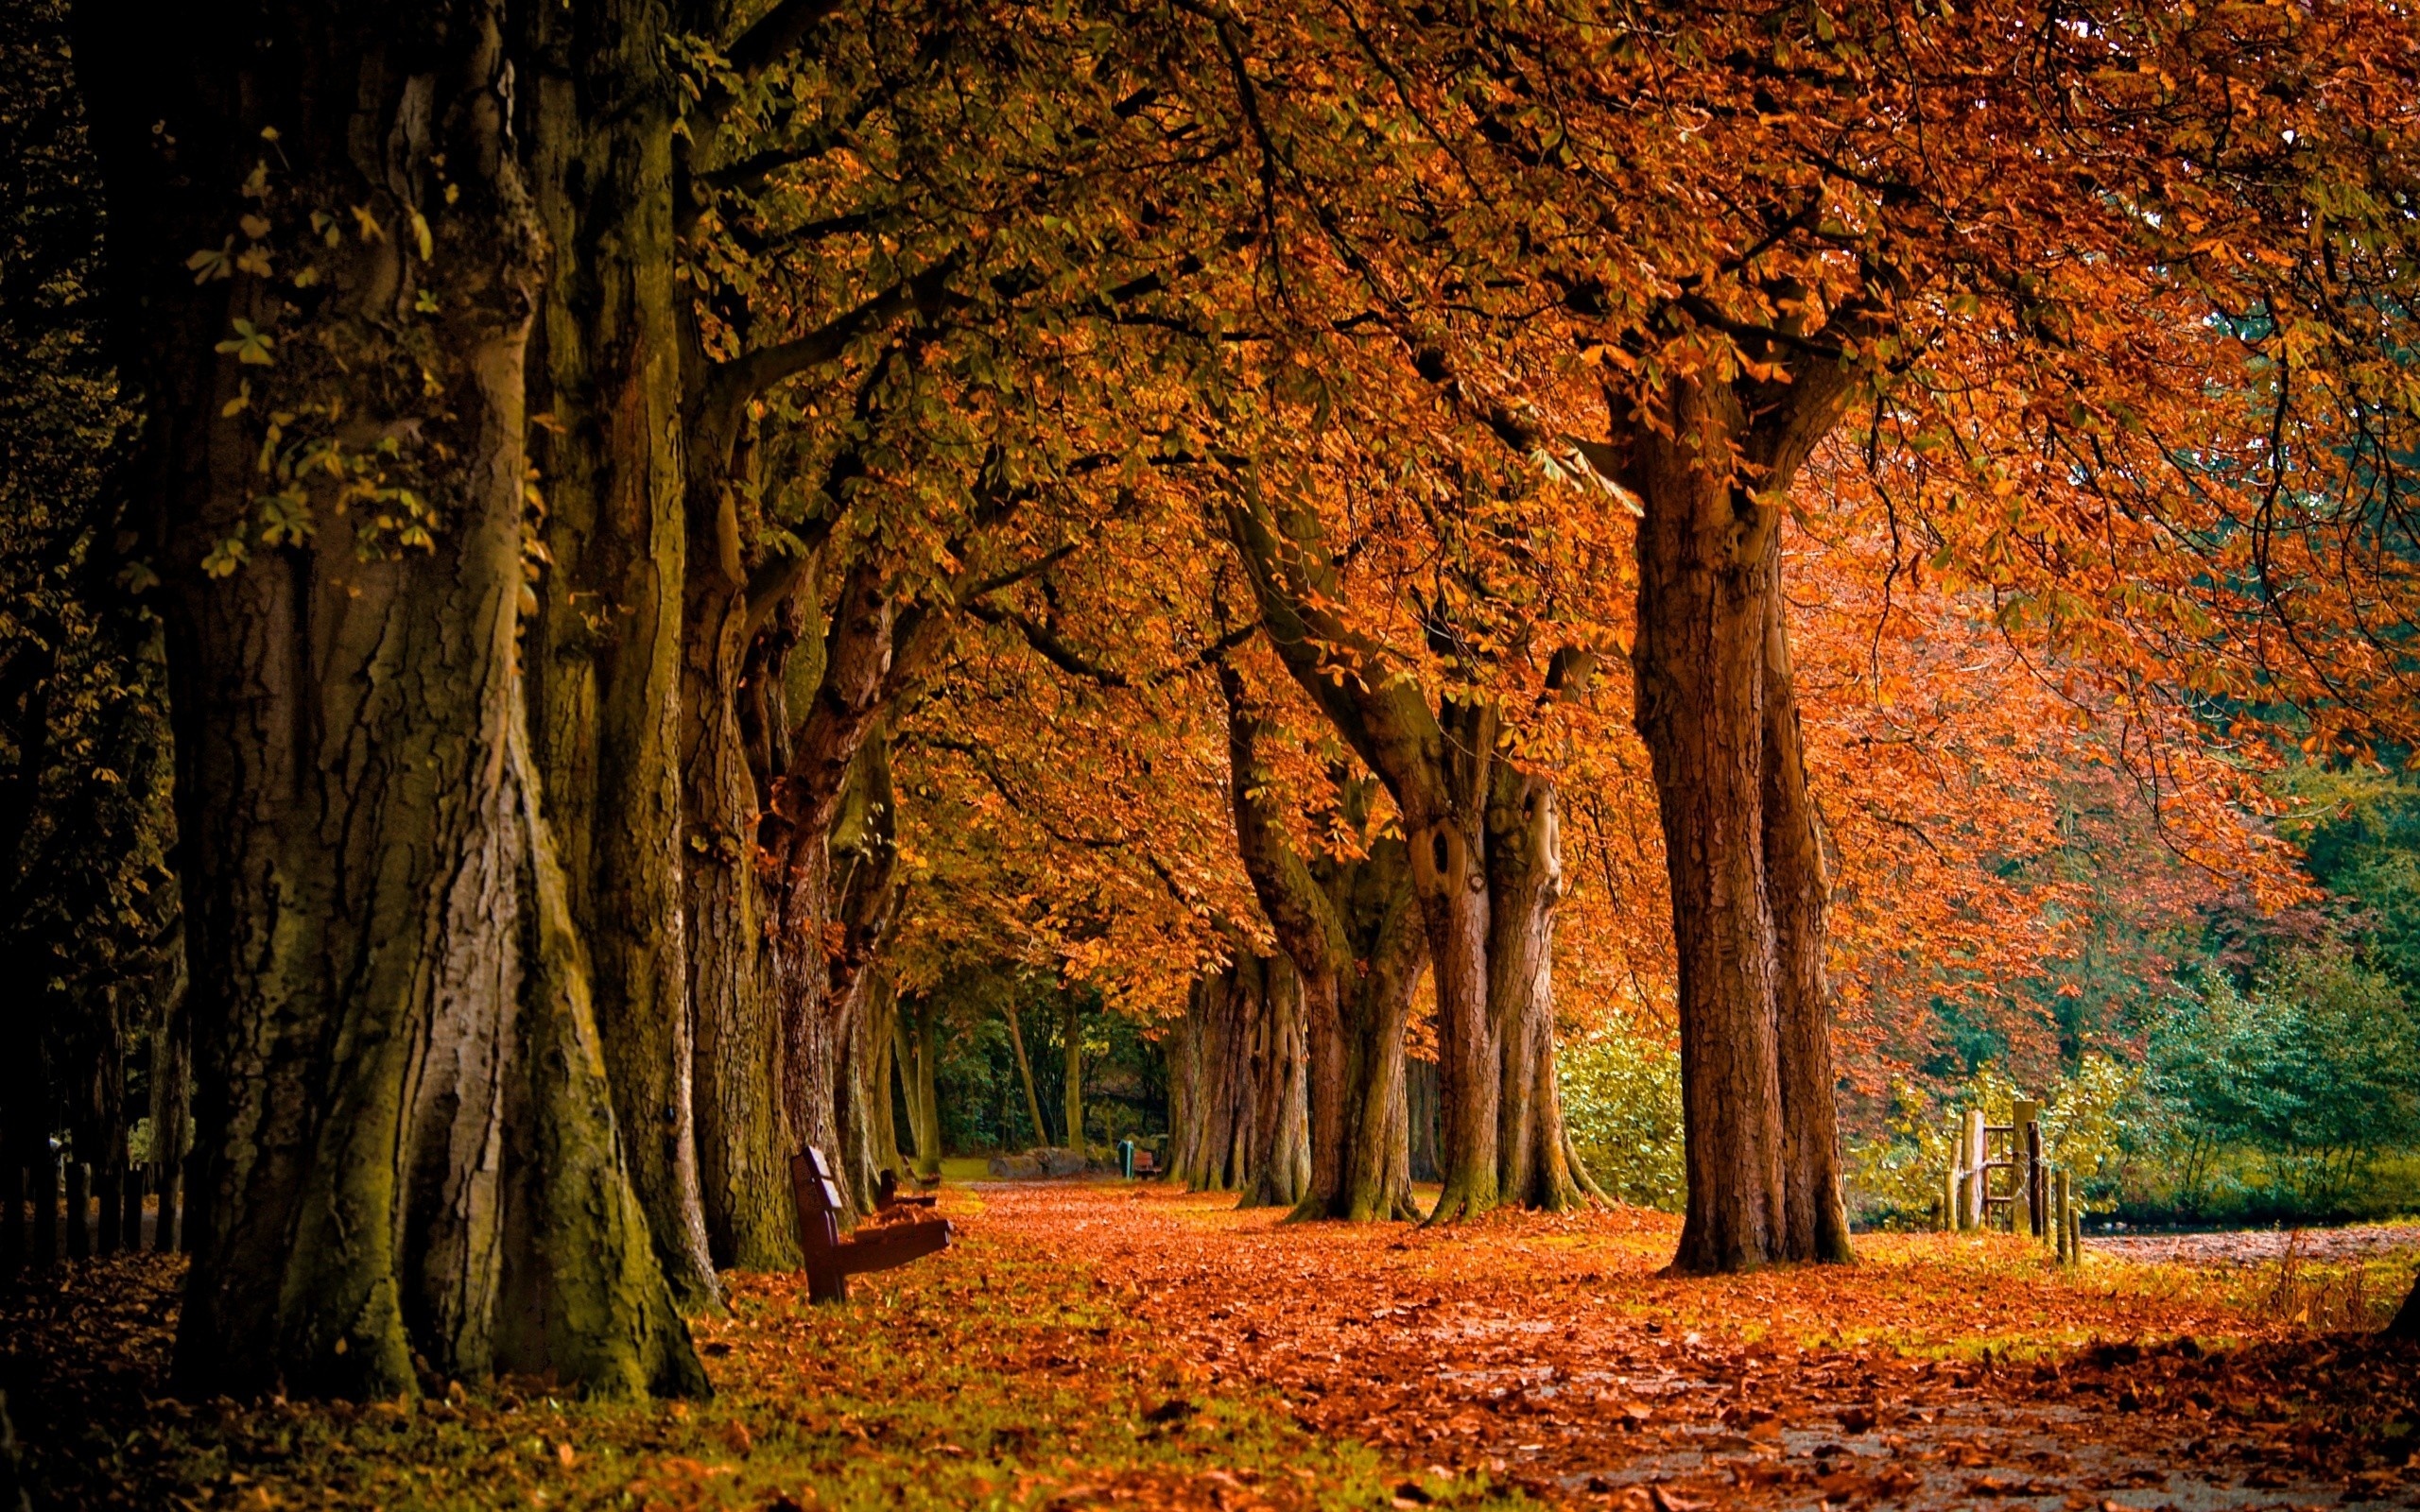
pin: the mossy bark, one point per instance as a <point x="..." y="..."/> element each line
<point x="409" y="1161"/>
<point x="603" y="650"/>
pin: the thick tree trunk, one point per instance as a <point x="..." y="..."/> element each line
<point x="1717" y="706"/>
<point x="603" y="652"/>
<point x="407" y="1144"/>
<point x="1705" y="575"/>
<point x="865" y="856"/>
<point x="1440" y="765"/>
<point x="1538" y="1167"/>
<point x="1213" y="1150"/>
<point x="1814" y="1216"/>
<point x="1352" y="933"/>
<point x="1449" y="873"/>
<point x="1280" y="1172"/>
<point x="743" y="1143"/>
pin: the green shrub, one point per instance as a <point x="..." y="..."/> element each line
<point x="1621" y="1101"/>
<point x="2316" y="1070"/>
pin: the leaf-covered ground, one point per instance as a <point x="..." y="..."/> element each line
<point x="1093" y="1345"/>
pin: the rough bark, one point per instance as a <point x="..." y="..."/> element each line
<point x="1715" y="707"/>
<point x="1814" y="1214"/>
<point x="603" y="651"/>
<point x="743" y="1143"/>
<point x="407" y="1146"/>
<point x="1351" y="932"/>
<point x="865" y="856"/>
<point x="1705" y="574"/>
<point x="1537" y="1167"/>
<point x="1277" y="1172"/>
<point x="1440" y="765"/>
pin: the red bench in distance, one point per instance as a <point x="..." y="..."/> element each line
<point x="832" y="1257"/>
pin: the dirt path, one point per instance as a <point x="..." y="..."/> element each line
<point x="2260" y="1247"/>
<point x="1549" y="1352"/>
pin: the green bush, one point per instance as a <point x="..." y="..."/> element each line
<point x="2316" y="1071"/>
<point x="1621" y="1101"/>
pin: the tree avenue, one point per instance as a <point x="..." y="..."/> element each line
<point x="678" y="527"/>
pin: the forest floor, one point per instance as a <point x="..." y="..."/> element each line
<point x="1091" y="1344"/>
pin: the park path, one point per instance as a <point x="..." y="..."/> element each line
<point x="1940" y="1372"/>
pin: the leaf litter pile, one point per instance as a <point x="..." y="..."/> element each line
<point x="1094" y="1344"/>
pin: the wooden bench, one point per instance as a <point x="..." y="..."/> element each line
<point x="831" y="1257"/>
<point x="1144" y="1162"/>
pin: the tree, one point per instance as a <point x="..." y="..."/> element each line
<point x="1350" y="926"/>
<point x="326" y="264"/>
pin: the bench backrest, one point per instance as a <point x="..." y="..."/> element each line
<point x="819" y="1201"/>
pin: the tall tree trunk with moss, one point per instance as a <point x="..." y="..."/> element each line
<point x="603" y="652"/>
<point x="408" y="1152"/>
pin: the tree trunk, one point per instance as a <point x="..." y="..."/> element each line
<point x="1212" y="1148"/>
<point x="1440" y="765"/>
<point x="1420" y="1103"/>
<point x="1071" y="1051"/>
<point x="1352" y="933"/>
<point x="865" y="856"/>
<point x="2405" y="1325"/>
<point x="1280" y="1173"/>
<point x="882" y="1029"/>
<point x="407" y="1144"/>
<point x="1025" y="1074"/>
<point x="1705" y="575"/>
<point x="1187" y="1098"/>
<point x="918" y="1068"/>
<point x="743" y="1143"/>
<point x="1450" y="877"/>
<point x="1814" y="1216"/>
<point x="1538" y="1167"/>
<point x="1716" y="706"/>
<point x="603" y="652"/>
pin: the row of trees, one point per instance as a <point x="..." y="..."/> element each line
<point x="586" y="455"/>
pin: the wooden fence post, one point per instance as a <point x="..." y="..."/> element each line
<point x="1978" y="1174"/>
